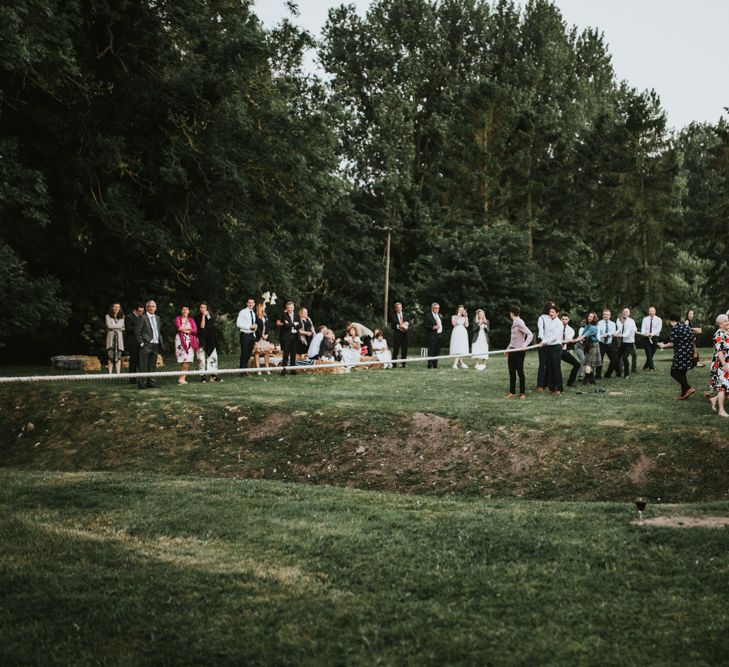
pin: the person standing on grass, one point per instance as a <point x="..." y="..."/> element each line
<point x="719" y="376"/>
<point x="521" y="338"/>
<point x="207" y="353"/>
<point x="625" y="333"/>
<point x="114" y="320"/>
<point x="400" y="326"/>
<point x="288" y="326"/>
<point x="650" y="329"/>
<point x="186" y="343"/>
<point x="552" y="341"/>
<point x="247" y="326"/>
<point x="542" y="368"/>
<point x="148" y="332"/>
<point x="696" y="331"/>
<point x="682" y="344"/>
<point x="459" y="336"/>
<point x="568" y="338"/>
<point x="480" y="339"/>
<point x="434" y="333"/>
<point x="306" y="331"/>
<point x="591" y="347"/>
<point x="606" y="334"/>
<point x="130" y="341"/>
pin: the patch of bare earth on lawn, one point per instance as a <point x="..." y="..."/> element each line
<point x="686" y="521"/>
<point x="270" y="426"/>
<point x="639" y="471"/>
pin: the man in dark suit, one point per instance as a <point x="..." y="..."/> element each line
<point x="400" y="325"/>
<point x="130" y="340"/>
<point x="288" y="328"/>
<point x="434" y="333"/>
<point x="148" y="332"/>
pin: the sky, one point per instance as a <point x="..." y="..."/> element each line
<point x="677" y="47"/>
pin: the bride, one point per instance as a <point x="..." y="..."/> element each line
<point x="459" y="337"/>
<point x="480" y="349"/>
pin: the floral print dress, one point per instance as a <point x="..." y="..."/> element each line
<point x="719" y="378"/>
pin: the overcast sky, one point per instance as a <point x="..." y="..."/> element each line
<point x="678" y="47"/>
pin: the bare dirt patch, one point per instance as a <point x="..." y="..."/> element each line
<point x="686" y="521"/>
<point x="638" y="472"/>
<point x="270" y="426"/>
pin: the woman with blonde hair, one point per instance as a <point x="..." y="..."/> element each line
<point x="480" y="340"/>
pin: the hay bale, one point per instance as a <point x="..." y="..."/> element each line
<point x="76" y="362"/>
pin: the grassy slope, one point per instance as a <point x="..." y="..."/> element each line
<point x="113" y="568"/>
<point x="413" y="430"/>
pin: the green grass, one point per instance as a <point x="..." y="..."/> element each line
<point x="154" y="528"/>
<point x="145" y="569"/>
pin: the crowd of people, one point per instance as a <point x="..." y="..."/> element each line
<point x="585" y="351"/>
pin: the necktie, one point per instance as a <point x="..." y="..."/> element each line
<point x="253" y="317"/>
<point x="650" y="326"/>
<point x="622" y="331"/>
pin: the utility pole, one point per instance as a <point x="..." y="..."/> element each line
<point x="387" y="273"/>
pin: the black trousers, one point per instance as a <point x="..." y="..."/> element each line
<point x="147" y="363"/>
<point x="516" y="367"/>
<point x="680" y="377"/>
<point x="434" y="344"/>
<point x="625" y="352"/>
<point x="400" y="346"/>
<point x="133" y="361"/>
<point x="247" y="341"/>
<point x="288" y="348"/>
<point x="568" y="358"/>
<point x="554" y="368"/>
<point x="612" y="354"/>
<point x="542" y="369"/>
<point x="650" y="351"/>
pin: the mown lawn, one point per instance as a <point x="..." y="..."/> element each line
<point x="117" y="568"/>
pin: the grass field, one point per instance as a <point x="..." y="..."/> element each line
<point x="156" y="528"/>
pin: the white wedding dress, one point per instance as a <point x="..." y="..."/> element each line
<point x="459" y="338"/>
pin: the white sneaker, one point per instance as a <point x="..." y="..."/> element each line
<point x="479" y="367"/>
<point x="463" y="365"/>
<point x="455" y="366"/>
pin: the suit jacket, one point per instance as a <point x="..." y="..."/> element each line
<point x="130" y="339"/>
<point x="290" y="326"/>
<point x="430" y="323"/>
<point x="395" y="323"/>
<point x="143" y="331"/>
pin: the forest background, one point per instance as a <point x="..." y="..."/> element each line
<point x="178" y="150"/>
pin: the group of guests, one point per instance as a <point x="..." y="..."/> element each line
<point x="139" y="334"/>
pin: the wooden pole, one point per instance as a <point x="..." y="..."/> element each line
<point x="387" y="274"/>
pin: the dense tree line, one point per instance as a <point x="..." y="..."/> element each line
<point x="179" y="150"/>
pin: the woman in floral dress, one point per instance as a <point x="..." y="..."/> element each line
<point x="719" y="377"/>
<point x="186" y="342"/>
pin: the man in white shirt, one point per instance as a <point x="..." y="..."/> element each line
<point x="434" y="333"/>
<point x="626" y="329"/>
<point x="247" y="326"/>
<point x="650" y="329"/>
<point x="313" y="351"/>
<point x="552" y="341"/>
<point x="608" y="344"/>
<point x="568" y="338"/>
<point x="542" y="351"/>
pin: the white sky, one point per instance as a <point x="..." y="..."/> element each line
<point x="678" y="47"/>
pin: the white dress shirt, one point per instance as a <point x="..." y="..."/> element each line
<point x="155" y="332"/>
<point x="439" y="322"/>
<point x="568" y="333"/>
<point x="315" y="344"/>
<point x="541" y="325"/>
<point x="553" y="330"/>
<point x="246" y="319"/>
<point x="651" y="326"/>
<point x="606" y="327"/>
<point x="628" y="329"/>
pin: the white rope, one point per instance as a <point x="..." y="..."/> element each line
<point x="236" y="371"/>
